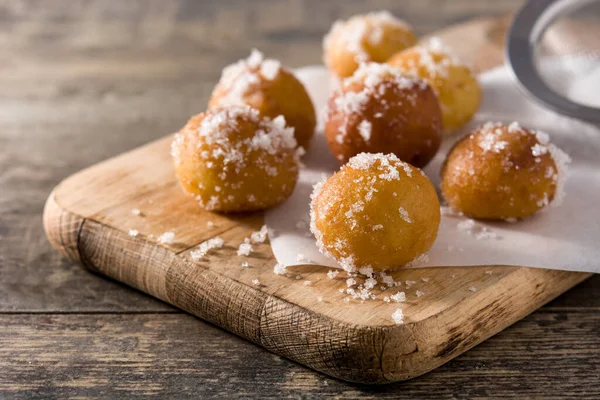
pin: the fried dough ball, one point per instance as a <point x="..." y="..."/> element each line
<point x="370" y="37"/>
<point x="271" y="89"/>
<point x="503" y="172"/>
<point x="457" y="88"/>
<point x="380" y="110"/>
<point x="232" y="159"/>
<point x="375" y="212"/>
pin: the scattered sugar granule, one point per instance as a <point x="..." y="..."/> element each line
<point x="376" y="227"/>
<point x="347" y="299"/>
<point x="386" y="299"/>
<point x="398" y="297"/>
<point x="210" y="224"/>
<point x="205" y="247"/>
<point x="489" y="272"/>
<point x="136" y="211"/>
<point x="404" y="215"/>
<point x="298" y="277"/>
<point x="280" y="269"/>
<point x="303" y="259"/>
<point x="425" y="279"/>
<point x="245" y="264"/>
<point x="342" y="290"/>
<point x="370" y="283"/>
<point x="419" y="293"/>
<point x="398" y="316"/>
<point x="307" y="283"/>
<point x="332" y="273"/>
<point x="410" y="283"/>
<point x="366" y="271"/>
<point x="255" y="282"/>
<point x="166" y="238"/>
<point x="319" y="298"/>
<point x="478" y="231"/>
<point x="419" y="260"/>
<point x="473" y="289"/>
<point x="350" y="282"/>
<point x="388" y="280"/>
<point x="260" y="236"/>
<point x="270" y="69"/>
<point x="133" y="232"/>
<point x="245" y="249"/>
<point x="364" y="129"/>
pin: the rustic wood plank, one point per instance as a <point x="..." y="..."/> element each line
<point x="550" y="355"/>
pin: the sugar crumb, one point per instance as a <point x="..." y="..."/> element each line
<point x="332" y="273"/>
<point x="398" y="297"/>
<point x="280" y="269"/>
<point x="205" y="247"/>
<point x="398" y="316"/>
<point x="245" y="249"/>
<point x="166" y="238"/>
<point x="260" y="236"/>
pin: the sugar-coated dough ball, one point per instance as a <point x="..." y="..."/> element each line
<point x="232" y="159"/>
<point x="370" y="37"/>
<point x="375" y="212"/>
<point x="271" y="89"/>
<point x="454" y="83"/>
<point x="380" y="110"/>
<point x="503" y="172"/>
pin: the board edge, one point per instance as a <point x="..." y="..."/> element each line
<point x="352" y="352"/>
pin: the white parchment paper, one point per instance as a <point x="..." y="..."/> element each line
<point x="566" y="237"/>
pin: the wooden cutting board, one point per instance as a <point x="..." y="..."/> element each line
<point x="88" y="217"/>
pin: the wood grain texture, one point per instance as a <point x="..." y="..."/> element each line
<point x="177" y="356"/>
<point x="355" y="341"/>
<point x="81" y="81"/>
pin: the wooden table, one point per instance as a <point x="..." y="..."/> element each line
<point x="82" y="81"/>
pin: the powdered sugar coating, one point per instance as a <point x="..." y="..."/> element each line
<point x="491" y="132"/>
<point x="436" y="57"/>
<point x="379" y="108"/>
<point x="237" y="79"/>
<point x="503" y="172"/>
<point x="372" y="173"/>
<point x="361" y="30"/>
<point x="230" y="144"/>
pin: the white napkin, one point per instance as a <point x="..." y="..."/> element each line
<point x="566" y="237"/>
